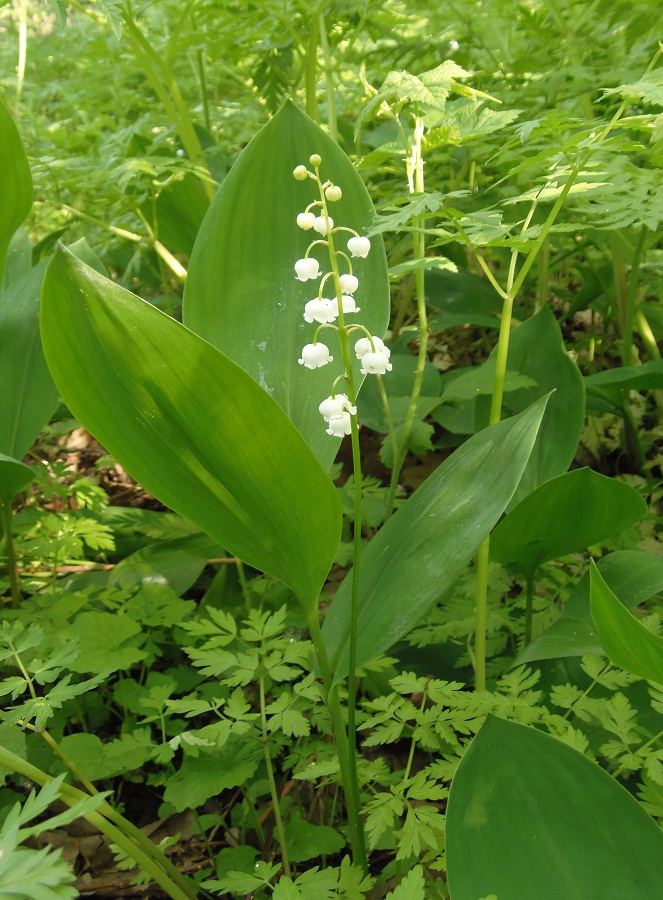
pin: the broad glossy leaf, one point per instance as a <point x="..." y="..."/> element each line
<point x="19" y="257"/>
<point x="15" y="182"/>
<point x="241" y="293"/>
<point x="530" y="818"/>
<point x="633" y="575"/>
<point x="27" y="393"/>
<point x="422" y="549"/>
<point x="460" y="298"/>
<point x="178" y="562"/>
<point x="565" y="515"/>
<point x="14" y="475"/>
<point x="627" y="643"/>
<point x="536" y="349"/>
<point x="191" y="426"/>
<point x="565" y="637"/>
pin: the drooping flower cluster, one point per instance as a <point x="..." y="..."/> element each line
<point x="337" y="409"/>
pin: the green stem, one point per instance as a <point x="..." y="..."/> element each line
<point x="156" y="68"/>
<point x="129" y="838"/>
<point x="529" y="606"/>
<point x="22" y="48"/>
<point x="632" y="301"/>
<point x="311" y="70"/>
<point x="276" y="804"/>
<point x="14" y="586"/>
<point x="543" y="276"/>
<point x="481" y="616"/>
<point x="329" y="81"/>
<point x="356" y="543"/>
<point x="416" y="181"/>
<point x="350" y="783"/>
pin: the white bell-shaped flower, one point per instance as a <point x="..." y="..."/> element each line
<point x="314" y="356"/>
<point x="359" y="246"/>
<point x="320" y="225"/>
<point x="333" y="193"/>
<point x="375" y="363"/>
<point x="300" y="173"/>
<point x="306" y="220"/>
<point x="307" y="268"/>
<point x="340" y="425"/>
<point x="333" y="407"/>
<point x="349" y="305"/>
<point x="363" y="346"/>
<point x="349" y="283"/>
<point x="321" y="310"/>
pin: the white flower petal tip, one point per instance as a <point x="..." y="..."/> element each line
<point x="363" y="346"/>
<point x="349" y="283"/>
<point x="300" y="173"/>
<point x="340" y="425"/>
<point x="333" y="193"/>
<point x="333" y="407"/>
<point x="359" y="246"/>
<point x="320" y="225"/>
<point x="314" y="356"/>
<point x="321" y="310"/>
<point x="375" y="363"/>
<point x="307" y="268"/>
<point x="306" y="221"/>
<point x="349" y="305"/>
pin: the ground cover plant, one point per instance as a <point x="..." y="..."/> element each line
<point x="331" y="566"/>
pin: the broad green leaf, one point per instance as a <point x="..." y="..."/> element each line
<point x="565" y="637"/>
<point x="536" y="349"/>
<point x="603" y="388"/>
<point x="191" y="426"/>
<point x="241" y="293"/>
<point x="28" y="396"/>
<point x="179" y="210"/>
<point x="530" y="817"/>
<point x="565" y="515"/>
<point x="19" y="257"/>
<point x="15" y="182"/>
<point x="627" y="643"/>
<point x="461" y="298"/>
<point x="14" y="475"/>
<point x="631" y="574"/>
<point x="178" y="563"/>
<point x="422" y="549"/>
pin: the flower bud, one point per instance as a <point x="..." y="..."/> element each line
<point x="315" y="159"/>
<point x="359" y="246"/>
<point x="314" y="356"/>
<point x="349" y="283"/>
<point x="363" y="346"/>
<point x="306" y="221"/>
<point x="333" y="193"/>
<point x="333" y="407"/>
<point x="321" y="310"/>
<point x="375" y="363"/>
<point x="307" y="268"/>
<point x="300" y="173"/>
<point x="321" y="225"/>
<point x="340" y="425"/>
